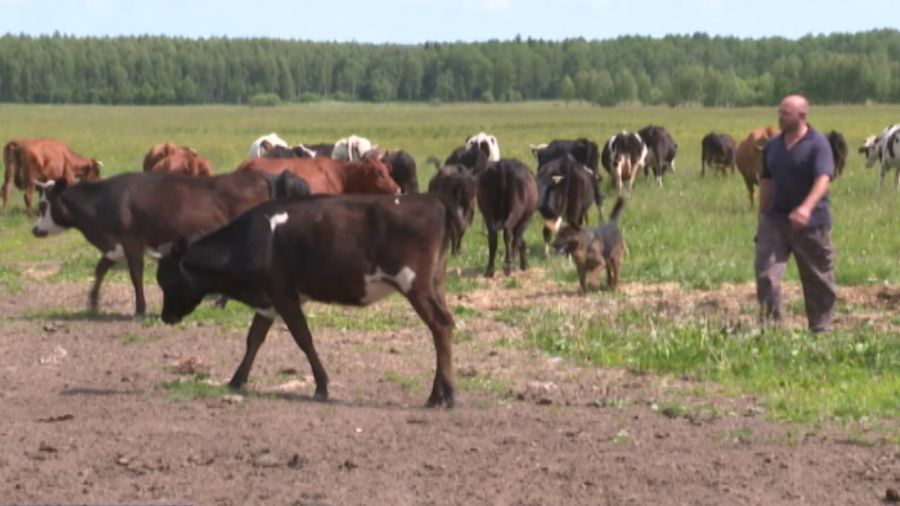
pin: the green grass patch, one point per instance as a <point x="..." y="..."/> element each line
<point x="131" y="338"/>
<point x="500" y="388"/>
<point x="194" y="387"/>
<point x="802" y="377"/>
<point x="10" y="279"/>
<point x="405" y="382"/>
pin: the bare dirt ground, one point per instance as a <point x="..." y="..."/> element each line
<point x="85" y="418"/>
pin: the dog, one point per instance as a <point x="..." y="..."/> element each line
<point x="593" y="249"/>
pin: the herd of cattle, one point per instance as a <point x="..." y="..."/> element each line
<point x="270" y="235"/>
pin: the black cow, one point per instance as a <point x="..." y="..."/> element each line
<point x="507" y="197"/>
<point x="472" y="157"/>
<point x="349" y="250"/>
<point x="455" y="185"/>
<point x="322" y="149"/>
<point x="298" y="151"/>
<point x="717" y="150"/>
<point x="403" y="168"/>
<point x="583" y="151"/>
<point x="661" y="151"/>
<point x="129" y="213"/>
<point x="839" y="151"/>
<point x="566" y="190"/>
<point x="623" y="156"/>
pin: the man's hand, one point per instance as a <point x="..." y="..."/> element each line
<point x="799" y="217"/>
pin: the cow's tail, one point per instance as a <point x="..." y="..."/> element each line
<point x="433" y="159"/>
<point x="617" y="210"/>
<point x="454" y="227"/>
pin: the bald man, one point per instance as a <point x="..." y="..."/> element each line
<point x="795" y="218"/>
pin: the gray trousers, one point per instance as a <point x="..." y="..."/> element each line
<point x="775" y="242"/>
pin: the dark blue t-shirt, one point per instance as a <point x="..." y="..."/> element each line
<point x="793" y="173"/>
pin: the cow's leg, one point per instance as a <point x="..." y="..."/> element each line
<point x="598" y="200"/>
<point x="702" y="167"/>
<point x="433" y="311"/>
<point x="134" y="255"/>
<point x="519" y="243"/>
<point x="7" y="183"/>
<point x="880" y="179"/>
<point x="897" y="178"/>
<point x="255" y="337"/>
<point x="26" y="195"/>
<point x="99" y="273"/>
<point x="508" y="248"/>
<point x="492" y="252"/>
<point x="289" y="309"/>
<point x="548" y="234"/>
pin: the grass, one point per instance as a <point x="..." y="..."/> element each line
<point x="194" y="387"/>
<point x="694" y="232"/>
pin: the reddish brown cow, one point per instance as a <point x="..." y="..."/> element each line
<point x="749" y="156"/>
<point x="326" y="175"/>
<point x="30" y="160"/>
<point x="185" y="162"/>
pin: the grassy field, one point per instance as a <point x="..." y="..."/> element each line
<point x="694" y="232"/>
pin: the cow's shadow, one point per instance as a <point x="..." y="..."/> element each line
<point x="85" y="315"/>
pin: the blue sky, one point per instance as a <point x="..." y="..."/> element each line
<point x="416" y="21"/>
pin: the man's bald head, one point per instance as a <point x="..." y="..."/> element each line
<point x="792" y="113"/>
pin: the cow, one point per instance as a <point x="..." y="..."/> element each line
<point x="351" y="148"/>
<point x="487" y="143"/>
<point x="159" y="151"/>
<point x="402" y="167"/>
<point x="473" y="158"/>
<point x="718" y="151"/>
<point x="323" y="149"/>
<point x="455" y="185"/>
<point x="749" y="157"/>
<point x="839" y="151"/>
<point x="507" y="197"/>
<point x="565" y="194"/>
<point x="298" y="151"/>
<point x="184" y="161"/>
<point x="583" y="151"/>
<point x="326" y="175"/>
<point x="350" y="250"/>
<point x="884" y="149"/>
<point x="131" y="213"/>
<point x="39" y="160"/>
<point x="258" y="149"/>
<point x="661" y="151"/>
<point x="623" y="156"/>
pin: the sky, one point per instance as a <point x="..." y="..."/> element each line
<point x="419" y="21"/>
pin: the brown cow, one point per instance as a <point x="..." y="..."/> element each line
<point x="185" y="162"/>
<point x="30" y="160"/>
<point x="749" y="156"/>
<point x="326" y="175"/>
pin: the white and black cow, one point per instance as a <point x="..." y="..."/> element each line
<point x="351" y="148"/>
<point x="717" y="150"/>
<point x="260" y="146"/>
<point x="348" y="250"/>
<point x="661" y="151"/>
<point x="127" y="215"/>
<point x="488" y="144"/>
<point x="623" y="156"/>
<point x="884" y="149"/>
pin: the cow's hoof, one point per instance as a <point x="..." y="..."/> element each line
<point x="235" y="385"/>
<point x="320" y="396"/>
<point x="489" y="273"/>
<point x="436" y="403"/>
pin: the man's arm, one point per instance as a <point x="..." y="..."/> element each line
<point x="800" y="215"/>
<point x="765" y="195"/>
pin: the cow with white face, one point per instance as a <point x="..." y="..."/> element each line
<point x="487" y="143"/>
<point x="351" y="148"/>
<point x="261" y="146"/>
<point x="885" y="149"/>
<point x="624" y="155"/>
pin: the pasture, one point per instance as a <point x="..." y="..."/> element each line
<point x="666" y="386"/>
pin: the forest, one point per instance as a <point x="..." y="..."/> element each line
<point x="675" y="70"/>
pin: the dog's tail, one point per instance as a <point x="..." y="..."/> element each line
<point x="617" y="210"/>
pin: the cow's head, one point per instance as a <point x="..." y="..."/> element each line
<point x="870" y="150"/>
<point x="470" y="156"/>
<point x="553" y="180"/>
<point x="487" y="144"/>
<point x="92" y="170"/>
<point x="456" y="187"/>
<point x="181" y="294"/>
<point x="536" y="149"/>
<point x="370" y="176"/>
<point x="52" y="209"/>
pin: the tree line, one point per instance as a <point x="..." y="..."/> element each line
<point x="676" y="69"/>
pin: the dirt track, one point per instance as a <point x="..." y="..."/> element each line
<point x="86" y="420"/>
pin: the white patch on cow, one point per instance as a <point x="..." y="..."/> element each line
<point x="116" y="254"/>
<point x="310" y="152"/>
<point x="380" y="284"/>
<point x="278" y="219"/>
<point x="159" y="251"/>
<point x="351" y="148"/>
<point x="553" y="225"/>
<point x="267" y="312"/>
<point x="45" y="224"/>
<point x="537" y="148"/>
<point x="490" y="140"/>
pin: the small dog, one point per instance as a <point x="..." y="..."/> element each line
<point x="593" y="249"/>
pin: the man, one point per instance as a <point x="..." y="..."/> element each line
<point x="794" y="217"/>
